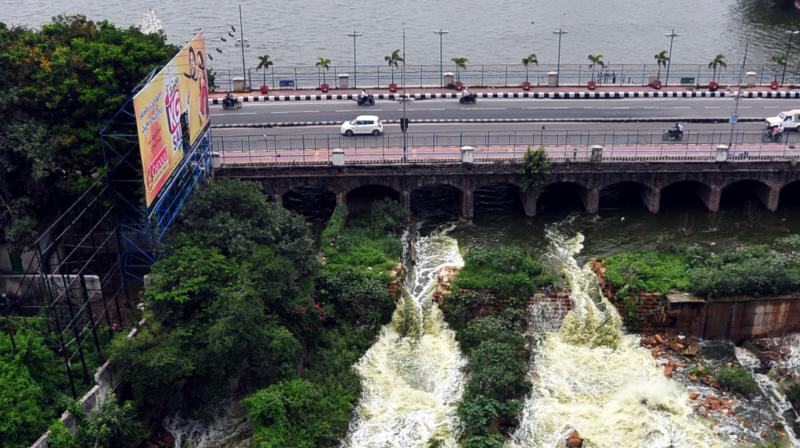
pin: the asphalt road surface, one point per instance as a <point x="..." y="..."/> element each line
<point x="630" y="108"/>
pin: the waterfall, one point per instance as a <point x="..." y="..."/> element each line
<point x="413" y="376"/>
<point x="226" y="429"/>
<point x="590" y="377"/>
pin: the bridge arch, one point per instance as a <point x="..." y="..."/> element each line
<point x="790" y="195"/>
<point x="628" y="195"/>
<point x="688" y="194"/>
<point x="499" y="199"/>
<point x="565" y="196"/>
<point x="437" y="199"/>
<point x="747" y="191"/>
<point x="315" y="202"/>
<point x="360" y="199"/>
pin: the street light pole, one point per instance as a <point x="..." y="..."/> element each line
<point x="672" y="37"/>
<point x="791" y="34"/>
<point x="441" y="33"/>
<point x="739" y="95"/>
<point x="241" y="36"/>
<point x="560" y="32"/>
<point x="405" y="127"/>
<point x="355" y="34"/>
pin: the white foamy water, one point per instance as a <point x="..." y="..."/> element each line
<point x="413" y="375"/>
<point x="592" y="378"/>
<point x="227" y="428"/>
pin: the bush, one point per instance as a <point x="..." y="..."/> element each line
<point x="647" y="271"/>
<point x="505" y="271"/>
<point x="737" y="379"/>
<point x="793" y="394"/>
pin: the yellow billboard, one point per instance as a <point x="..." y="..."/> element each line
<point x="171" y="109"/>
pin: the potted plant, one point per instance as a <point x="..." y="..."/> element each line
<point x="595" y="59"/>
<point x="716" y="63"/>
<point x="461" y="64"/>
<point x="527" y="60"/>
<point x="392" y="60"/>
<point x="324" y="64"/>
<point x="661" y="61"/>
<point x="264" y="63"/>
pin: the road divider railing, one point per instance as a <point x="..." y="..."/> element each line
<point x="498" y="146"/>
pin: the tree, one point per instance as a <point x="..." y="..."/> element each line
<point x="527" y="60"/>
<point x="716" y="63"/>
<point x="461" y="64"/>
<point x="596" y="59"/>
<point x="324" y="64"/>
<point x="392" y="60"/>
<point x="661" y="61"/>
<point x="72" y="64"/>
<point x="264" y="63"/>
<point x="534" y="170"/>
<point x="780" y="62"/>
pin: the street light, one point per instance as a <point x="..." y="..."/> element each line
<point x="735" y="117"/>
<point x="243" y="42"/>
<point x="672" y="37"/>
<point x="560" y="32"/>
<point x="355" y="34"/>
<point x="791" y="34"/>
<point x="441" y="34"/>
<point x="405" y="120"/>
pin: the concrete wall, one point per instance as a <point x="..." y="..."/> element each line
<point x="34" y="287"/>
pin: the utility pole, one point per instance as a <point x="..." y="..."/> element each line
<point x="791" y="34"/>
<point x="441" y="34"/>
<point x="672" y="37"/>
<point x="355" y="34"/>
<point x="560" y="33"/>
<point x="735" y="116"/>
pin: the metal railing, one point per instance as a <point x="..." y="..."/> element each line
<point x="497" y="75"/>
<point x="428" y="147"/>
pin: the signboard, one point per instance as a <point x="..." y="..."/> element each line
<point x="171" y="113"/>
<point x="733" y="119"/>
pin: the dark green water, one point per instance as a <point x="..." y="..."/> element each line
<point x="613" y="231"/>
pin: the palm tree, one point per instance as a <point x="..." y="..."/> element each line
<point x="392" y="60"/>
<point x="596" y="59"/>
<point x="461" y="63"/>
<point x="264" y="63"/>
<point x="323" y="63"/>
<point x="717" y="62"/>
<point x="661" y="60"/>
<point x="780" y="61"/>
<point x="529" y="59"/>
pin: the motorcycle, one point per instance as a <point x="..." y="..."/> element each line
<point x="770" y="136"/>
<point x="232" y="103"/>
<point x="367" y="100"/>
<point x="672" y="135"/>
<point x="468" y="99"/>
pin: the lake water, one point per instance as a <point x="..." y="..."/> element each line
<point x="496" y="32"/>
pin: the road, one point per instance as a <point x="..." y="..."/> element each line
<point x="629" y="108"/>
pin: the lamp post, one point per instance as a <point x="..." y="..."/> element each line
<point x="242" y="42"/>
<point x="441" y="34"/>
<point x="560" y="33"/>
<point x="405" y="126"/>
<point x="355" y="34"/>
<point x="672" y="35"/>
<point x="735" y="116"/>
<point x="791" y="34"/>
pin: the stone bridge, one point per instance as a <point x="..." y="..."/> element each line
<point x="769" y="182"/>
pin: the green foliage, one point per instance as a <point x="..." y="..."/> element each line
<point x="737" y="379"/>
<point x="793" y="394"/>
<point x="111" y="425"/>
<point x="335" y="226"/>
<point x="60" y="437"/>
<point x="647" y="271"/>
<point x="299" y="414"/>
<point x="487" y="307"/>
<point x="32" y="381"/>
<point x="534" y="170"/>
<point x="70" y="65"/>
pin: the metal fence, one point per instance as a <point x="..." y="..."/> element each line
<point x="500" y="75"/>
<point x="427" y="147"/>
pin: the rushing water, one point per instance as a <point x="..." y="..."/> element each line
<point x="413" y="375"/>
<point x="592" y="378"/>
<point x="298" y="32"/>
<point x="226" y="429"/>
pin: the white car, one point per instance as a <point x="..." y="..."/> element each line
<point x="363" y="124"/>
<point x="789" y="119"/>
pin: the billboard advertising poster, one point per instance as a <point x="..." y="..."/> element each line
<point x="171" y="111"/>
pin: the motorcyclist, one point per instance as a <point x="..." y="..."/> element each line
<point x="678" y="130"/>
<point x="229" y="100"/>
<point x="465" y="92"/>
<point x="776" y="131"/>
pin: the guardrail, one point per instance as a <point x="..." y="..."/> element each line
<point x="496" y="146"/>
<point x="498" y="75"/>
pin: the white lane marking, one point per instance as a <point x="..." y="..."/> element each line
<point x="238" y="113"/>
<point x="713" y="107"/>
<point x="650" y="107"/>
<point x="487" y="108"/>
<point x="678" y="107"/>
<point x="619" y="107"/>
<point x="346" y="110"/>
<point x="548" y="107"/>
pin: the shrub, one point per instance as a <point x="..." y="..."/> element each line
<point x="793" y="394"/>
<point x="647" y="271"/>
<point x="737" y="379"/>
